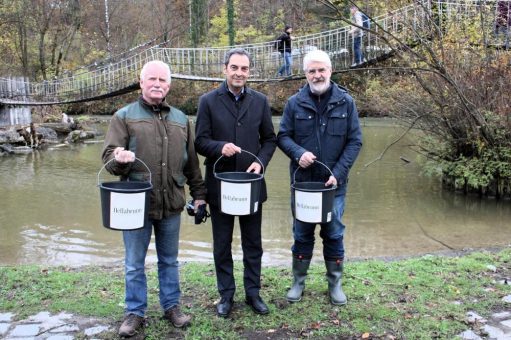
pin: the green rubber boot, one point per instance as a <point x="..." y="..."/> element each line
<point x="334" y="277"/>
<point x="300" y="267"/>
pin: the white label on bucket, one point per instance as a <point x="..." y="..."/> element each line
<point x="127" y="210"/>
<point x="308" y="206"/>
<point x="235" y="198"/>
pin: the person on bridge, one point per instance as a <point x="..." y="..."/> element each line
<point x="320" y="123"/>
<point x="283" y="44"/>
<point x="230" y="119"/>
<point x="160" y="136"/>
<point x="357" y="33"/>
<point x="503" y="20"/>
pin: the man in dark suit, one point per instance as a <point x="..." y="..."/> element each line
<point x="230" y="119"/>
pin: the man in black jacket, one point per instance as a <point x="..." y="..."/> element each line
<point x="284" y="47"/>
<point x="230" y="119"/>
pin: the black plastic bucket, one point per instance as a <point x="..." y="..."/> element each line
<point x="312" y="201"/>
<point x="239" y="192"/>
<point x="125" y="204"/>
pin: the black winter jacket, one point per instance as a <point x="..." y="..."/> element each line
<point x="246" y="123"/>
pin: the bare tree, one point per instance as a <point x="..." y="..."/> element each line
<point x="43" y="12"/>
<point x="107" y="29"/>
<point x="64" y="34"/>
<point x="446" y="81"/>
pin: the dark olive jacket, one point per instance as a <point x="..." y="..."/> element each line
<point x="246" y="123"/>
<point x="161" y="137"/>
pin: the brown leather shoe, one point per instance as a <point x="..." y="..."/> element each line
<point x="130" y="325"/>
<point x="177" y="318"/>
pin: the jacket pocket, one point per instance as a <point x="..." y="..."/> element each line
<point x="304" y="124"/>
<point x="337" y="124"/>
<point x="177" y="197"/>
<point x="176" y="129"/>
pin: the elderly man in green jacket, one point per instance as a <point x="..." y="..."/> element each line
<point x="160" y="136"/>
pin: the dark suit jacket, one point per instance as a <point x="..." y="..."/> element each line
<point x="246" y="123"/>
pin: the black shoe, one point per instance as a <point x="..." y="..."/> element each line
<point x="257" y="304"/>
<point x="224" y="307"/>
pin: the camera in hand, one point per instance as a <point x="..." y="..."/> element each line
<point x="201" y="215"/>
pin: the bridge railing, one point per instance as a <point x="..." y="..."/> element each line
<point x="113" y="77"/>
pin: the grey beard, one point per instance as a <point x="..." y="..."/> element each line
<point x="320" y="91"/>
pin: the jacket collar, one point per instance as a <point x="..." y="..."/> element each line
<point x="163" y="107"/>
<point x="338" y="94"/>
<point x="229" y="103"/>
<point x="232" y="95"/>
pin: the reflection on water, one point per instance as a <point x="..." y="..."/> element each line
<point x="50" y="210"/>
<point x="60" y="246"/>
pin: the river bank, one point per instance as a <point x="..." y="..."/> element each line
<point x="417" y="298"/>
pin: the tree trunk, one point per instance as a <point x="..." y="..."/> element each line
<point x="230" y="22"/>
<point x="42" y="62"/>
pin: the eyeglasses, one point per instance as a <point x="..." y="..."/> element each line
<point x="312" y="71"/>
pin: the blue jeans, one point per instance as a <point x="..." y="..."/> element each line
<point x="357" y="50"/>
<point x="136" y="242"/>
<point x="286" y="67"/>
<point x="504" y="33"/>
<point x="332" y="234"/>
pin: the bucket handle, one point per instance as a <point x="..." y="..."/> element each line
<point x="141" y="161"/>
<point x="262" y="165"/>
<point x="315" y="161"/>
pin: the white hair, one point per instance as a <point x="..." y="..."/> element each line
<point x="318" y="56"/>
<point x="155" y="62"/>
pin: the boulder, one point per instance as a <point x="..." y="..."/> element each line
<point x="6" y="148"/>
<point x="10" y="136"/>
<point x="77" y="136"/>
<point x="47" y="134"/>
<point x="21" y="149"/>
<point x="59" y="128"/>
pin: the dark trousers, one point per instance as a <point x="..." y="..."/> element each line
<point x="250" y="227"/>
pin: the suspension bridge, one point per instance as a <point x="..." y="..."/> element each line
<point x="120" y="74"/>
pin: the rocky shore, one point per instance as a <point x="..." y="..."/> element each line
<point x="22" y="139"/>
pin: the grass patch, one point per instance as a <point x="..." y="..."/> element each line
<point x="418" y="298"/>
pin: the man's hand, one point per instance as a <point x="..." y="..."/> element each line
<point x="123" y="156"/>
<point x="255" y="168"/>
<point x="230" y="149"/>
<point x="307" y="159"/>
<point x="197" y="204"/>
<point x="331" y="181"/>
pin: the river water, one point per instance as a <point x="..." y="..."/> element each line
<point x="51" y="215"/>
